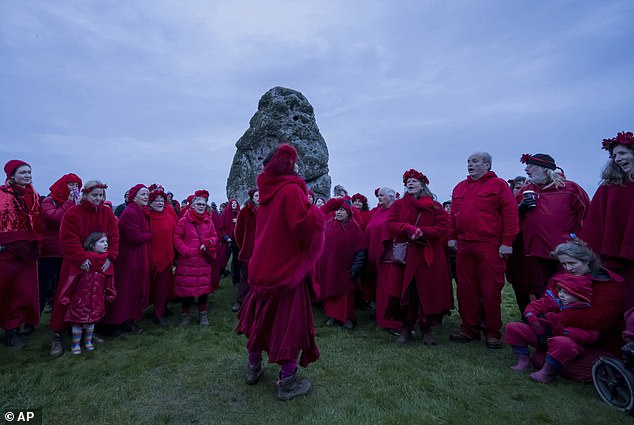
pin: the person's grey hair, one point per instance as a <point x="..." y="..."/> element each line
<point x="195" y="198"/>
<point x="485" y="156"/>
<point x="88" y="188"/>
<point x="389" y="192"/>
<point x="578" y="250"/>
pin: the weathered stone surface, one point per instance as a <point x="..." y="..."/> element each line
<point x="284" y="116"/>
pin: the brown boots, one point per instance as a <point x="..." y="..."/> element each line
<point x="290" y="387"/>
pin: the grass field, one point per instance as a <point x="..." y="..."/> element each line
<point x="196" y="376"/>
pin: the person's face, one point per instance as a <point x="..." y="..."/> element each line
<point x="72" y="186"/>
<point x="295" y="168"/>
<point x="256" y="198"/>
<point x="357" y="203"/>
<point x="96" y="196"/>
<point x="384" y="200"/>
<point x="311" y="199"/>
<point x="341" y="214"/>
<point x="158" y="204"/>
<point x="414" y="186"/>
<point x="624" y="158"/>
<point x="536" y="173"/>
<point x="447" y="207"/>
<point x="22" y="175"/>
<point x="319" y="202"/>
<point x="573" y="265"/>
<point x="565" y="297"/>
<point x="234" y="205"/>
<point x="476" y="167"/>
<point x="169" y="197"/>
<point x="101" y="245"/>
<point x="142" y="197"/>
<point x="199" y="205"/>
<point x="519" y="184"/>
<point x="125" y="196"/>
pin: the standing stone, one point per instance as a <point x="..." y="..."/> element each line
<point x="284" y="116"/>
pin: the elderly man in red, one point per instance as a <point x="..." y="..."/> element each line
<point x="483" y="224"/>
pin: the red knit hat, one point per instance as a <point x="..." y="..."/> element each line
<point x="578" y="286"/>
<point x="11" y="166"/>
<point x="134" y="190"/>
<point x="360" y="197"/>
<point x="413" y="174"/>
<point x="202" y="193"/>
<point x="282" y="160"/>
<point x="155" y="194"/>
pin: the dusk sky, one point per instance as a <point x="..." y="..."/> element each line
<point x="160" y="91"/>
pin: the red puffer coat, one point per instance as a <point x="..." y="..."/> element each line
<point x="193" y="272"/>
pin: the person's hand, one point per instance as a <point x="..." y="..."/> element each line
<point x="417" y="234"/>
<point x="526" y="204"/>
<point x="85" y="266"/>
<point x="203" y="247"/>
<point x="505" y="251"/>
<point x="453" y="244"/>
<point x="106" y="265"/>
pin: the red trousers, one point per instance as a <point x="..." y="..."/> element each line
<point x="561" y="348"/>
<point x="161" y="286"/>
<point x="340" y="308"/>
<point x="479" y="287"/>
<point x="19" y="292"/>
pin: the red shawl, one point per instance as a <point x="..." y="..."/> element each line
<point x="289" y="235"/>
<point x="162" y="225"/>
<point x="59" y="189"/>
<point x="20" y="214"/>
<point x="229" y="218"/>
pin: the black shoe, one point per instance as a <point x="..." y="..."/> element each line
<point x="27" y="329"/>
<point x="57" y="348"/>
<point x="461" y="337"/>
<point x="236" y="307"/>
<point x="13" y="339"/>
<point x="131" y="327"/>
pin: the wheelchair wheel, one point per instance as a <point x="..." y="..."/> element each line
<point x="614" y="383"/>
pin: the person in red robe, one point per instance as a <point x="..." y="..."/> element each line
<point x="360" y="202"/>
<point x="64" y="194"/>
<point x="229" y="217"/>
<point x="340" y="265"/>
<point x="20" y="236"/>
<point x="162" y="225"/>
<point x="376" y="233"/>
<point x="245" y="238"/>
<point x="90" y="216"/>
<point x="132" y="268"/>
<point x="420" y="291"/>
<point x="277" y="314"/>
<point x="609" y="227"/>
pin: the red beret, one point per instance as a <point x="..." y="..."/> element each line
<point x="360" y="197"/>
<point x="134" y="190"/>
<point x="11" y="166"/>
<point x="202" y="193"/>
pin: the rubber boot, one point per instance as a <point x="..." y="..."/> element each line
<point x="545" y="375"/>
<point x="13" y="339"/>
<point x="289" y="388"/>
<point x="523" y="363"/>
<point x="254" y="373"/>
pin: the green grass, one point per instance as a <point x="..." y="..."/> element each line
<point x="196" y="376"/>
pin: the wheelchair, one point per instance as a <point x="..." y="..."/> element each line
<point x="614" y="379"/>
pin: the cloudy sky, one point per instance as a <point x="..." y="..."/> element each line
<point x="145" y="91"/>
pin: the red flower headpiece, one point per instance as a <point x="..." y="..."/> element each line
<point x="413" y="174"/>
<point x="359" y="197"/>
<point x="202" y="193"/>
<point x="91" y="188"/>
<point x="155" y="194"/>
<point x="622" y="138"/>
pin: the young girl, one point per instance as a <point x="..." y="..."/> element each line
<point x="566" y="291"/>
<point x="86" y="290"/>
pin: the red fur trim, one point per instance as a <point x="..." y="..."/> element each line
<point x="282" y="161"/>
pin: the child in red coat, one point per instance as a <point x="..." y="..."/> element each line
<point x="86" y="290"/>
<point x="566" y="343"/>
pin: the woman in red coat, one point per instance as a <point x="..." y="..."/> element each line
<point x="609" y="227"/>
<point x="420" y="291"/>
<point x="162" y="225"/>
<point x="245" y="238"/>
<point x="20" y="232"/>
<point x="91" y="215"/>
<point x="363" y="213"/>
<point x="195" y="240"/>
<point x="132" y="268"/>
<point x="64" y="195"/>
<point x="229" y="218"/>
<point x="376" y="233"/>
<point x="340" y="264"/>
<point x="277" y="315"/>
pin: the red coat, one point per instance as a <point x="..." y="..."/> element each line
<point x="193" y="272"/>
<point x="484" y="210"/>
<point x="84" y="294"/>
<point x="245" y="230"/>
<point x="132" y="268"/>
<point x="376" y="232"/>
<point x="162" y="225"/>
<point x="229" y="218"/>
<point x="52" y="214"/>
<point x="363" y="218"/>
<point x="342" y="241"/>
<point x="79" y="222"/>
<point x="609" y="227"/>
<point x="426" y="261"/>
<point x="559" y="212"/>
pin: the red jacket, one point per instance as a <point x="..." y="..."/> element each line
<point x="559" y="212"/>
<point x="376" y="233"/>
<point x="245" y="230"/>
<point x="20" y="214"/>
<point x="483" y="210"/>
<point x="84" y="294"/>
<point x="193" y="272"/>
<point x="52" y="214"/>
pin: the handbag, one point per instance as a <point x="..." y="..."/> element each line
<point x="396" y="252"/>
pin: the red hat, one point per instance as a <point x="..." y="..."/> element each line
<point x="155" y="194"/>
<point x="11" y="166"/>
<point x="622" y="138"/>
<point x="335" y="203"/>
<point x="578" y="286"/>
<point x="190" y="198"/>
<point x="134" y="190"/>
<point x="413" y="174"/>
<point x="202" y="193"/>
<point x="282" y="160"/>
<point x="359" y="196"/>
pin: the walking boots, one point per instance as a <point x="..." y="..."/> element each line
<point x="290" y="387"/>
<point x="13" y="339"/>
<point x="254" y="373"/>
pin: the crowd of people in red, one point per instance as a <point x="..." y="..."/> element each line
<point x="93" y="265"/>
